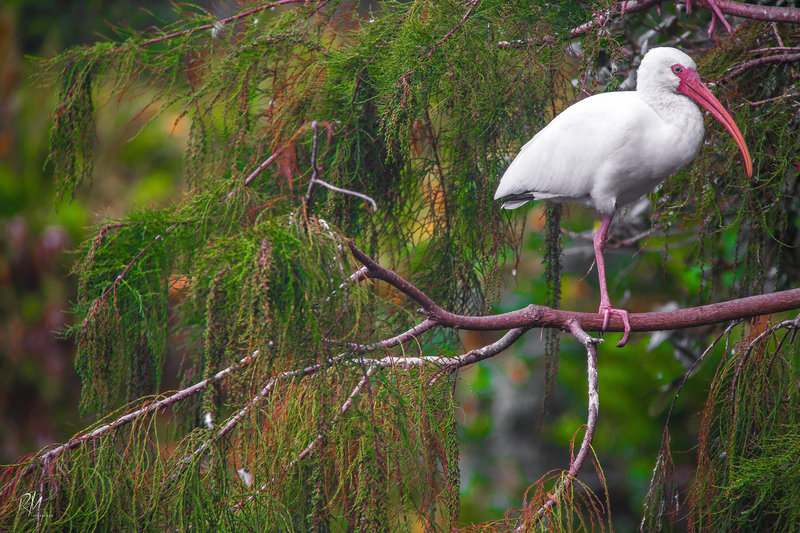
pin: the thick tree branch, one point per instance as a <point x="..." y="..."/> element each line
<point x="538" y="316"/>
<point x="727" y="7"/>
<point x="752" y="11"/>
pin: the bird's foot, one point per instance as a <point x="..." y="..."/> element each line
<point x="607" y="311"/>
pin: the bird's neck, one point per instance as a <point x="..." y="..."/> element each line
<point x="674" y="108"/>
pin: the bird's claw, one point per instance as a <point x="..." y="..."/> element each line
<point x="607" y="311"/>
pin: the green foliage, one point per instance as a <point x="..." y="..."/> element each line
<point x="121" y="339"/>
<point x="747" y="461"/>
<point x="243" y="265"/>
<point x="260" y="93"/>
<point x="73" y="136"/>
<point x="350" y="481"/>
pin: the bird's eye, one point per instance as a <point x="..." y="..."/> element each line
<point x="677" y="69"/>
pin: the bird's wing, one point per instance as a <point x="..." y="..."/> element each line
<point x="564" y="160"/>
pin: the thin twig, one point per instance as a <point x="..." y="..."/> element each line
<point x="696" y="366"/>
<point x="212" y="26"/>
<point x="348" y="192"/>
<point x="788" y="324"/>
<point x="449" y="363"/>
<point x="716" y="13"/>
<point x="490" y="350"/>
<point x="234" y="420"/>
<point x="747" y="65"/>
<point x="792" y="97"/>
<point x="396" y="340"/>
<point x="777" y="34"/>
<point x="316" y="180"/>
<point x="468" y="358"/>
<point x="453" y="30"/>
<point x="614" y="243"/>
<point x="314" y="168"/>
<point x="253" y="175"/>
<point x="356" y="277"/>
<point x="96" y="304"/>
<point x="773" y="49"/>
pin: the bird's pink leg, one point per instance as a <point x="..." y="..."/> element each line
<point x="605" y="302"/>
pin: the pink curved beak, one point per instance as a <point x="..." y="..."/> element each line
<point x="692" y="87"/>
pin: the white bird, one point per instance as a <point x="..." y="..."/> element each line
<point x="610" y="149"/>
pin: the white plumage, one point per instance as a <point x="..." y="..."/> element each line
<point x="608" y="150"/>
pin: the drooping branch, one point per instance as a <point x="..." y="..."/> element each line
<point x="664" y="465"/>
<point x="449" y="34"/>
<point x="234" y="420"/>
<point x="153" y="407"/>
<point x="518" y="322"/>
<point x="791" y="325"/>
<point x="396" y="340"/>
<point x="445" y="363"/>
<point x="256" y="172"/>
<point x="108" y="290"/>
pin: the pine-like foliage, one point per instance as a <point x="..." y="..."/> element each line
<point x="252" y="260"/>
<point x="747" y="473"/>
<point x="417" y="106"/>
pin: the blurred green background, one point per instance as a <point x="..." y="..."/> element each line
<point x="135" y="165"/>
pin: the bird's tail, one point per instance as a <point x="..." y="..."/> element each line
<point x="513" y="201"/>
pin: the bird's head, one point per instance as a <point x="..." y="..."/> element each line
<point x="669" y="69"/>
<point x="658" y="69"/>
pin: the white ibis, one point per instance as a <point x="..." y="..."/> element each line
<point x="610" y="149"/>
